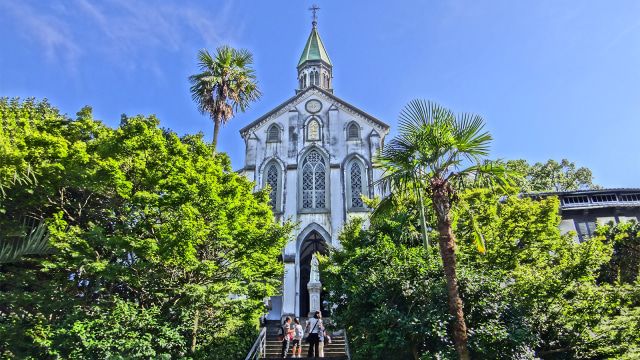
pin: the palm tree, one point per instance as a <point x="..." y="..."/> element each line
<point x="435" y="153"/>
<point x="227" y="83"/>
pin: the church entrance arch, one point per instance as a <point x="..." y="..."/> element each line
<point x="313" y="243"/>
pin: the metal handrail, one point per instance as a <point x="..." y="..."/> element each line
<point x="259" y="347"/>
<point x="346" y="345"/>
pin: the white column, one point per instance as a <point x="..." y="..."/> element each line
<point x="289" y="290"/>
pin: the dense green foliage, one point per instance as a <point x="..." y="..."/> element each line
<point x="151" y="236"/>
<point x="625" y="261"/>
<point x="554" y="276"/>
<point x="534" y="294"/>
<point x="394" y="302"/>
<point x="552" y="176"/>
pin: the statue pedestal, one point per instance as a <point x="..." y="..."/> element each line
<point x="314" y="287"/>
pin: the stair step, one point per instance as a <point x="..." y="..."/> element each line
<point x="332" y="351"/>
<point x="304" y="357"/>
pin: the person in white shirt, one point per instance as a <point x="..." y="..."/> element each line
<point x="313" y="328"/>
<point x="296" y="342"/>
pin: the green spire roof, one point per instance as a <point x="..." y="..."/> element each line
<point x="314" y="50"/>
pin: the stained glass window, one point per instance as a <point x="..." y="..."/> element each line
<point x="313" y="181"/>
<point x="356" y="185"/>
<point x="272" y="180"/>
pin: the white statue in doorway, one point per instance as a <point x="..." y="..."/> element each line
<point x="315" y="270"/>
<point x="314" y="286"/>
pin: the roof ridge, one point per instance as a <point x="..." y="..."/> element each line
<point x="362" y="113"/>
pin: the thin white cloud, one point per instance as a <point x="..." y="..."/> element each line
<point x="134" y="28"/>
<point x="54" y="35"/>
<point x="621" y="35"/>
<point x="129" y="34"/>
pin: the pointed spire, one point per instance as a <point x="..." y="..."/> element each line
<point x="315" y="67"/>
<point x="314" y="50"/>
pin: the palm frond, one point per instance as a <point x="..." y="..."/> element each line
<point x="33" y="240"/>
<point x="226" y="84"/>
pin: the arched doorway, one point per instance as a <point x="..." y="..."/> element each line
<point x="313" y="243"/>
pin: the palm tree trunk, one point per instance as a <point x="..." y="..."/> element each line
<point x="216" y="129"/>
<point x="447" y="244"/>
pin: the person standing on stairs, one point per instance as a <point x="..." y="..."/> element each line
<point x="313" y="329"/>
<point x="321" y="337"/>
<point x="297" y="337"/>
<point x="324" y="339"/>
<point x="286" y="336"/>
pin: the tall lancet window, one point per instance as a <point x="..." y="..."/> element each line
<point x="317" y="78"/>
<point x="273" y="178"/>
<point x="313" y="181"/>
<point x="356" y="185"/>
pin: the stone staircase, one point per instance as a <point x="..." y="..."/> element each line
<point x="332" y="351"/>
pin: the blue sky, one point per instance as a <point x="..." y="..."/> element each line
<point x="552" y="79"/>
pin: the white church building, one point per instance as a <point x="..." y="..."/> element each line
<point x="315" y="153"/>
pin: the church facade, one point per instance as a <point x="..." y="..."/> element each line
<point x="315" y="152"/>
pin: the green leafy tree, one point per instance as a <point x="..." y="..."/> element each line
<point x="393" y="302"/>
<point x="160" y="250"/>
<point x="552" y="176"/>
<point x="435" y="152"/>
<point x="226" y="84"/>
<point x="625" y="261"/>
<point x="574" y="315"/>
<point x="561" y="307"/>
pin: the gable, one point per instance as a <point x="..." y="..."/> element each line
<point x="302" y="96"/>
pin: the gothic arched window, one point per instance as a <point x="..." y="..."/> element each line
<point x="356" y="185"/>
<point x="353" y="131"/>
<point x="312" y="77"/>
<point x="274" y="180"/>
<point x="314" y="181"/>
<point x="273" y="134"/>
<point x="317" y="78"/>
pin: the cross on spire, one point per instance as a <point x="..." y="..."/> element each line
<point x="314" y="8"/>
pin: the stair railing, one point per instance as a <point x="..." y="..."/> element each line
<point x="259" y="348"/>
<point x="346" y="345"/>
